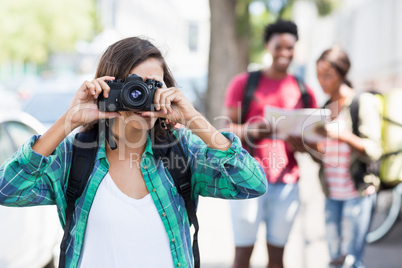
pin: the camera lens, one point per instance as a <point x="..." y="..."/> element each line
<point x="136" y="95"/>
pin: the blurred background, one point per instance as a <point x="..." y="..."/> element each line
<point x="54" y="45"/>
<point x="48" y="48"/>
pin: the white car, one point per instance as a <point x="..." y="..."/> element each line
<point x="30" y="237"/>
<point x="48" y="106"/>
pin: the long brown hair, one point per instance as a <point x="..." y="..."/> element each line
<point x="122" y="57"/>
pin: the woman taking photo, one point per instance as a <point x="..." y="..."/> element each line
<point x="350" y="198"/>
<point x="130" y="213"/>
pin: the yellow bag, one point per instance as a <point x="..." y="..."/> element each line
<point x="391" y="161"/>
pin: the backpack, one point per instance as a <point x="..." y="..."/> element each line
<point x="167" y="151"/>
<point x="251" y="86"/>
<point x="389" y="166"/>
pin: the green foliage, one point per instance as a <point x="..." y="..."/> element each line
<point x="286" y="12"/>
<point x="242" y="17"/>
<point x="31" y="30"/>
<point x="325" y="7"/>
<point x="258" y="22"/>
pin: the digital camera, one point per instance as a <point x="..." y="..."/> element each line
<point x="129" y="94"/>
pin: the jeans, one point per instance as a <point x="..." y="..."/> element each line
<point x="347" y="224"/>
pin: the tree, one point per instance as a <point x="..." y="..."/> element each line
<point x="235" y="35"/>
<point x="31" y="30"/>
<point x="229" y="49"/>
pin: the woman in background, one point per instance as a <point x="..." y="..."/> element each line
<point x="349" y="196"/>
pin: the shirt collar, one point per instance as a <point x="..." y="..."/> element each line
<point x="148" y="146"/>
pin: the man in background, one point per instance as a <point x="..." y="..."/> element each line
<point x="274" y="87"/>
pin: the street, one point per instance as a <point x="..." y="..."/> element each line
<point x="307" y="246"/>
<point x="386" y="252"/>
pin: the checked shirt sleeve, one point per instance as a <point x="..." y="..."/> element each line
<point x="30" y="179"/>
<point x="231" y="174"/>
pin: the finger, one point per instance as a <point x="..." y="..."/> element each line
<point x="157" y="97"/>
<point x="165" y="100"/>
<point x="170" y="98"/>
<point x="90" y="87"/>
<point x="105" y="87"/>
<point x="154" y="114"/>
<point x="98" y="87"/>
<point x="157" y="78"/>
<point x="108" y="115"/>
<point x="107" y="78"/>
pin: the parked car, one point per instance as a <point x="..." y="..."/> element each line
<point x="30" y="236"/>
<point x="48" y="106"/>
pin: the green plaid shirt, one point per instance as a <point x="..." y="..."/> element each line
<point x="29" y="179"/>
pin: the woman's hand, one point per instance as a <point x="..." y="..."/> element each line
<point x="170" y="103"/>
<point x="297" y="144"/>
<point x="258" y="130"/>
<point x="334" y="133"/>
<point x="343" y="135"/>
<point x="83" y="108"/>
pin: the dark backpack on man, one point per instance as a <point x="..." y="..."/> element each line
<point x="251" y="87"/>
<point x="83" y="160"/>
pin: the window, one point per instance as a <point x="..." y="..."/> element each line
<point x="6" y="146"/>
<point x="19" y="132"/>
<point x="193" y="33"/>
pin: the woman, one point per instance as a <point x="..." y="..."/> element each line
<point x="130" y="214"/>
<point x="349" y="200"/>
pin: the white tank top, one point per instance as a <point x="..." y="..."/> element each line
<point x="124" y="232"/>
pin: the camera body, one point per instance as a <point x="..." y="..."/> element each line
<point x="131" y="94"/>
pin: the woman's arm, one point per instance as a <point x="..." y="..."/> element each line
<point x="370" y="127"/>
<point x="230" y="174"/>
<point x="220" y="166"/>
<point x="355" y="142"/>
<point x="29" y="179"/>
<point x="368" y="144"/>
<point x="35" y="175"/>
<point x="248" y="132"/>
<point x="170" y="103"/>
<point x="83" y="110"/>
<point x="199" y="125"/>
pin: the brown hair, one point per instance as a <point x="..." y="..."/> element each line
<point x="122" y="57"/>
<point x="339" y="60"/>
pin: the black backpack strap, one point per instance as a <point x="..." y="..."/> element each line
<point x="251" y="86"/>
<point x="354" y="114"/>
<point x="361" y="168"/>
<point x="172" y="155"/>
<point x="303" y="90"/>
<point x="83" y="159"/>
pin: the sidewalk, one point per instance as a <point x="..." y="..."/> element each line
<point x="306" y="248"/>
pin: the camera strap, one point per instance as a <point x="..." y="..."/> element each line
<point x="109" y="135"/>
